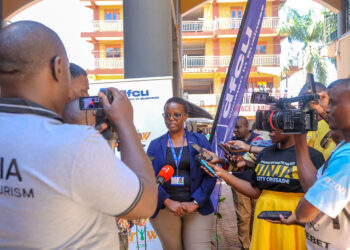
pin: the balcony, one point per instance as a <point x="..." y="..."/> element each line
<point x="224" y="61"/>
<point x="197" y="26"/>
<point x="107" y="26"/>
<point x="235" y="23"/>
<point x="109" y="63"/>
<point x="224" y="24"/>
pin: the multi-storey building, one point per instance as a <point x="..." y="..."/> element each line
<point x="337" y="34"/>
<point x="106" y="35"/>
<point x="209" y="32"/>
<point x="209" y="35"/>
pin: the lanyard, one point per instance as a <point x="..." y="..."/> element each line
<point x="177" y="159"/>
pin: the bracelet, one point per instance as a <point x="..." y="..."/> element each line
<point x="250" y="148"/>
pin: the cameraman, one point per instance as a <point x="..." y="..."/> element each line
<point x="61" y="185"/>
<point x="321" y="139"/>
<point x="326" y="205"/>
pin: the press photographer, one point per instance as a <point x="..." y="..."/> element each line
<point x="61" y="185"/>
<point x="326" y="205"/>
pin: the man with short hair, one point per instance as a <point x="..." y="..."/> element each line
<point x="61" y="185"/>
<point x="326" y="205"/>
<point x="244" y="205"/>
<point x="79" y="86"/>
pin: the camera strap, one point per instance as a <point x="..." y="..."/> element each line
<point x="23" y="106"/>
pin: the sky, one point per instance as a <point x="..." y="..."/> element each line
<point x="69" y="18"/>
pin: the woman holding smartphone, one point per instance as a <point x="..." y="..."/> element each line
<point x="274" y="181"/>
<point x="184" y="217"/>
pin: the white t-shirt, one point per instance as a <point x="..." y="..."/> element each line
<point x="331" y="195"/>
<point x="60" y="185"/>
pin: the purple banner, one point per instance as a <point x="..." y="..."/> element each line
<point x="237" y="74"/>
<point x="236" y="80"/>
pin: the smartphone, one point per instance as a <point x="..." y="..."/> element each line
<point x="235" y="148"/>
<point x="274" y="215"/>
<point x="90" y="102"/>
<point x="221" y="145"/>
<point x="204" y="154"/>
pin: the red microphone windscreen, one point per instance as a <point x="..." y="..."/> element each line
<point x="166" y="172"/>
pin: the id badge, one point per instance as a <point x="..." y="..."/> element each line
<point x="177" y="181"/>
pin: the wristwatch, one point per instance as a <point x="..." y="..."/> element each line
<point x="195" y="202"/>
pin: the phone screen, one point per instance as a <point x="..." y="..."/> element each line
<point x="90" y="102"/>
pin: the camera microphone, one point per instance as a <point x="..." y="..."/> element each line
<point x="165" y="174"/>
<point x="204" y="164"/>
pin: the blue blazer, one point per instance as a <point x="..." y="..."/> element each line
<point x="202" y="184"/>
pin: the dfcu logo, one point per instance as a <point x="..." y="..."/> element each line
<point x="136" y="93"/>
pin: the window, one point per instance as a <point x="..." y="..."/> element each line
<point x="260" y="49"/>
<point x="236" y="14"/>
<point x="112" y="52"/>
<point x="112" y="15"/>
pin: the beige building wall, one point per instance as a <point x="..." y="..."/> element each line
<point x="341" y="50"/>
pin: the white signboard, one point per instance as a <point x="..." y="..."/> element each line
<point x="144" y="238"/>
<point x="250" y="109"/>
<point x="147" y="96"/>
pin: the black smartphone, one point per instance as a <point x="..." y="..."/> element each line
<point x="205" y="155"/>
<point x="90" y="102"/>
<point x="221" y="145"/>
<point x="274" y="215"/>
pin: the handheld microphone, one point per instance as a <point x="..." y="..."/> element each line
<point x="204" y="164"/>
<point x="165" y="174"/>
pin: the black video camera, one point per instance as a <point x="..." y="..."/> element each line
<point x="94" y="103"/>
<point x="285" y="117"/>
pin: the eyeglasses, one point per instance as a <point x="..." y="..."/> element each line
<point x="176" y="116"/>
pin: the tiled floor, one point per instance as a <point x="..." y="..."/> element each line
<point x="226" y="227"/>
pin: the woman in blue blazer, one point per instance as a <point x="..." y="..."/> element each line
<point x="184" y="217"/>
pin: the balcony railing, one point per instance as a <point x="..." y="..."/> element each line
<point x="235" y="23"/>
<point x="224" y="61"/>
<point x="108" y="25"/>
<point x="224" y="24"/>
<point x="109" y="63"/>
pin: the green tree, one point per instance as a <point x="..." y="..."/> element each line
<point x="307" y="30"/>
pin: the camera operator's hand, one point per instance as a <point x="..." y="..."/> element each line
<point x="101" y="127"/>
<point x="120" y="110"/>
<point x="321" y="105"/>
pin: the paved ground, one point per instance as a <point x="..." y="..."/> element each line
<point x="227" y="227"/>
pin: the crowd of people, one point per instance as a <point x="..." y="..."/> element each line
<point x="62" y="187"/>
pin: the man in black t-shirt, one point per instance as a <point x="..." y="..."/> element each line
<point x="243" y="204"/>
